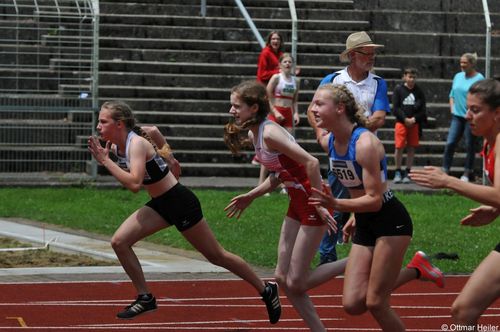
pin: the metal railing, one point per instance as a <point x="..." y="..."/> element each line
<point x="293" y="15"/>
<point x="488" y="39"/>
<point x="258" y="36"/>
<point x="250" y="23"/>
<point x="48" y="92"/>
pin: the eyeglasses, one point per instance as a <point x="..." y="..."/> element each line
<point x="364" y="53"/>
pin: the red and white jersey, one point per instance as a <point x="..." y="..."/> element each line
<point x="290" y="172"/>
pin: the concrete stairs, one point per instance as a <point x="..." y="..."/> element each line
<point x="175" y="68"/>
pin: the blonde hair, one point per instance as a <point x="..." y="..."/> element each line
<point x="250" y="93"/>
<point x="340" y="94"/>
<point x="286" y="55"/>
<point x="121" y="111"/>
<point x="471" y="58"/>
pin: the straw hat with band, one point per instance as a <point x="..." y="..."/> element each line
<point x="357" y="40"/>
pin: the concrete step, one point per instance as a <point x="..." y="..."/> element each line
<point x="438" y="112"/>
<point x="396" y="42"/>
<point x="238" y="21"/>
<point x="428" y="5"/>
<point x="214" y="8"/>
<point x="433" y="89"/>
<point x="40" y="158"/>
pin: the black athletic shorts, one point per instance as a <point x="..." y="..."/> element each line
<point x="178" y="206"/>
<point x="497" y="248"/>
<point x="391" y="220"/>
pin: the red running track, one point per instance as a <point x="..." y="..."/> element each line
<point x="212" y="305"/>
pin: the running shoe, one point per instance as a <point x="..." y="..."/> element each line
<point x="271" y="298"/>
<point x="141" y="305"/>
<point x="427" y="270"/>
<point x="397" y="177"/>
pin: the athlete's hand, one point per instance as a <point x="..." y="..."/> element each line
<point x="174" y="166"/>
<point x="429" y="176"/>
<point x="237" y="205"/>
<point x="296" y="118"/>
<point x="348" y="229"/>
<point x="279" y="117"/>
<point x="322" y="198"/>
<point x="480" y="216"/>
<point x="326" y="216"/>
<point x="99" y="152"/>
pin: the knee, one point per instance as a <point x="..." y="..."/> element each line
<point x="354" y="307"/>
<point x="295" y="285"/>
<point x="118" y="242"/>
<point x="376" y="304"/>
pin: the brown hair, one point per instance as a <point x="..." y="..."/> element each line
<point x="121" y="111"/>
<point x="410" y="70"/>
<point x="342" y="95"/>
<point x="282" y="41"/>
<point x="488" y="90"/>
<point x="250" y="93"/>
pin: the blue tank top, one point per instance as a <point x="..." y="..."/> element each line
<point x="345" y="167"/>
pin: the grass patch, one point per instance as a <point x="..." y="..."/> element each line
<point x="255" y="236"/>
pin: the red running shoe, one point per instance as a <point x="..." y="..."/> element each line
<point x="427" y="270"/>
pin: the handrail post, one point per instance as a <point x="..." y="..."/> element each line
<point x="95" y="77"/>
<point x="293" y="15"/>
<point x="488" y="39"/>
<point x="203" y="10"/>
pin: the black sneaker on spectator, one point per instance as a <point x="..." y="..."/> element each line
<point x="142" y="304"/>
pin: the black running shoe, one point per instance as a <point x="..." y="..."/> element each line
<point x="272" y="300"/>
<point x="139" y="306"/>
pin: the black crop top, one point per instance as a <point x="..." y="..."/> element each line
<point x="156" y="167"/>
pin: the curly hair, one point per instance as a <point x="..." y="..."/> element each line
<point x="251" y="93"/>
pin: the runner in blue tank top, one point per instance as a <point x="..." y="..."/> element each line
<point x="382" y="228"/>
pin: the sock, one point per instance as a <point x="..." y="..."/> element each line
<point x="146" y="297"/>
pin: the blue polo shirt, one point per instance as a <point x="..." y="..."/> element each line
<point x="370" y="93"/>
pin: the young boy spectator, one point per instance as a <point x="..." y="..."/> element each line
<point x="408" y="106"/>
